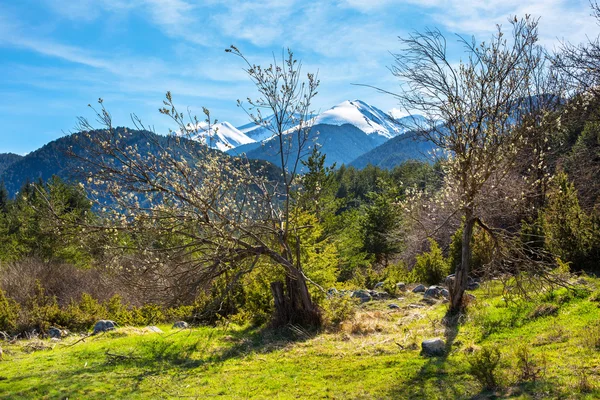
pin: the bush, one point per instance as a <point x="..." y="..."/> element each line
<point x="9" y="313"/>
<point x="338" y="309"/>
<point x="529" y="369"/>
<point x="430" y="267"/>
<point x="483" y="365"/>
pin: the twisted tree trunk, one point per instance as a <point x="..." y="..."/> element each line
<point x="461" y="276"/>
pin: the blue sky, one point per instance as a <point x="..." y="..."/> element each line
<point x="57" y="56"/>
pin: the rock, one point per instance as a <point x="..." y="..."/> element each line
<point x="445" y="293"/>
<point x="55" y="333"/>
<point x="449" y="281"/>
<point x="428" y="300"/>
<point x="154" y="329"/>
<point x="433" y="347"/>
<point x="419" y="289"/>
<point x="362" y="295"/>
<point x="376" y="295"/>
<point x="378" y="285"/>
<point x="103" y="326"/>
<point x="401" y="286"/>
<point x="393" y="306"/>
<point x="472" y="285"/>
<point x="181" y="325"/>
<point x="332" y="292"/>
<point x="433" y="292"/>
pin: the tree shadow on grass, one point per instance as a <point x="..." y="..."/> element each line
<point x="439" y="377"/>
<point x="152" y="357"/>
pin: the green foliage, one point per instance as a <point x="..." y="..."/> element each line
<point x="9" y="313"/>
<point x="483" y="365"/>
<point x="568" y="230"/>
<point x="482" y="246"/>
<point x="430" y="267"/>
<point x="381" y="219"/>
<point x="338" y="309"/>
<point x="42" y="222"/>
<point x="529" y="369"/>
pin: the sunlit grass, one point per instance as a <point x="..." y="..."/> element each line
<point x="375" y="354"/>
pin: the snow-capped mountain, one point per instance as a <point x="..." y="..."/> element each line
<point x="262" y="132"/>
<point x="222" y="136"/>
<point x="367" y="118"/>
<point x="343" y="133"/>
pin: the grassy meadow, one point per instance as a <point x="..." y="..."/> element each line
<point x="549" y="348"/>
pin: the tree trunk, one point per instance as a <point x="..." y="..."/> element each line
<point x="462" y="270"/>
<point x="295" y="305"/>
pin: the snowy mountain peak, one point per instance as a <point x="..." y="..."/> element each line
<point x="365" y="117"/>
<point x="222" y="136"/>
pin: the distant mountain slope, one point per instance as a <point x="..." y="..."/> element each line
<point x="222" y="136"/>
<point x="341" y="144"/>
<point x="395" y="151"/>
<point x="343" y="133"/>
<point x="365" y="117"/>
<point x="7" y="159"/>
<point x="263" y="132"/>
<point x="52" y="159"/>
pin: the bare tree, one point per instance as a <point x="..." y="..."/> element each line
<point x="209" y="214"/>
<point x="474" y="112"/>
<point x="580" y="63"/>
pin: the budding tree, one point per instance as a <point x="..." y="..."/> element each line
<point x="209" y="214"/>
<point x="474" y="110"/>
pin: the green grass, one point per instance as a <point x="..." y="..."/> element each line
<point x="374" y="355"/>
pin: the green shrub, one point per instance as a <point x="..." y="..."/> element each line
<point x="338" y="309"/>
<point x="118" y="312"/>
<point x="529" y="369"/>
<point x="9" y="313"/>
<point x="430" y="267"/>
<point x="483" y="365"/>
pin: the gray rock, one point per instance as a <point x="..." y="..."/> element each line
<point x="55" y="333"/>
<point x="419" y="289"/>
<point x="332" y="292"/>
<point x="362" y="295"/>
<point x="449" y="281"/>
<point x="393" y="306"/>
<point x="433" y="347"/>
<point x="429" y="300"/>
<point x="433" y="292"/>
<point x="401" y="286"/>
<point x="473" y="285"/>
<point x="180" y="325"/>
<point x="104" y="326"/>
<point x="445" y="293"/>
<point x="154" y="329"/>
<point x="378" y="285"/>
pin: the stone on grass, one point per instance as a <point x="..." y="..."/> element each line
<point x="104" y="325"/>
<point x="362" y="295"/>
<point x="445" y="293"/>
<point x="393" y="306"/>
<point x="401" y="286"/>
<point x="472" y="285"/>
<point x="55" y="333"/>
<point x="378" y="285"/>
<point x="419" y="289"/>
<point x="433" y="347"/>
<point x="180" y="325"/>
<point x="433" y="292"/>
<point x="154" y="329"/>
